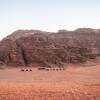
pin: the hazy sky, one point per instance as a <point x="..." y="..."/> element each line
<point x="48" y="15"/>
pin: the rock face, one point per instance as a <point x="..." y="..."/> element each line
<point x="39" y="48"/>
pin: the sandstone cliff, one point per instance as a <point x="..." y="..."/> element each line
<point x="47" y="49"/>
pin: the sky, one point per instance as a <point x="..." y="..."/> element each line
<point x="48" y="15"/>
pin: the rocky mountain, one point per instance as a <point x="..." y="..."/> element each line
<point x="48" y="49"/>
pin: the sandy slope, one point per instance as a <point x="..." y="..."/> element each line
<point x="74" y="83"/>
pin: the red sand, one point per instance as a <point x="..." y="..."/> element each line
<point x="80" y="83"/>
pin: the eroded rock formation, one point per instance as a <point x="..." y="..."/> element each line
<point x="34" y="47"/>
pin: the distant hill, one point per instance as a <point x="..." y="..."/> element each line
<point x="48" y="49"/>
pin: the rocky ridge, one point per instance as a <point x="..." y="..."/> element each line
<point x="48" y="49"/>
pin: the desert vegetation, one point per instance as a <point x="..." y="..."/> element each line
<point x="51" y="69"/>
<point x="25" y="69"/>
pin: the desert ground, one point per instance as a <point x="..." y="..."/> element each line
<point x="73" y="83"/>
